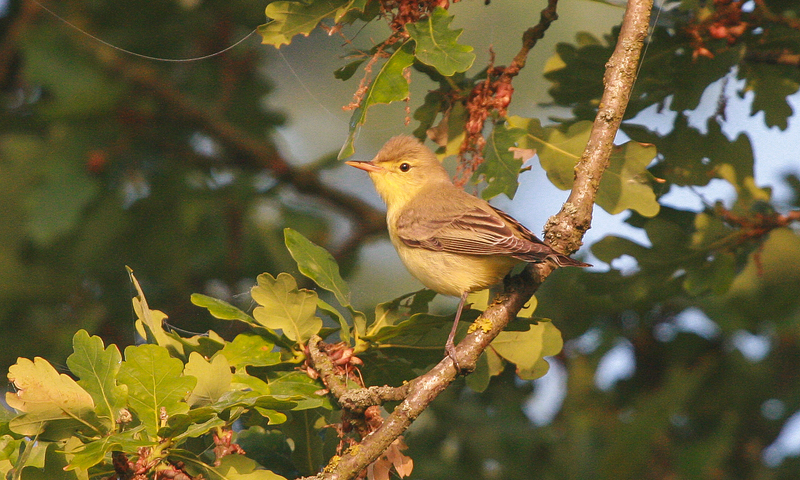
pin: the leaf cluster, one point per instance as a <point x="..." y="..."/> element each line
<point x="172" y="398"/>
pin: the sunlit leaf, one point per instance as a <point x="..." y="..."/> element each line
<point x="155" y="381"/>
<point x="283" y="306"/>
<point x="213" y="378"/>
<point x="188" y="427"/>
<point x="92" y="453"/>
<point x="626" y="183"/>
<point x="45" y="396"/>
<point x="773" y="268"/>
<point x="344" y="328"/>
<point x="295" y="385"/>
<point x="414" y="325"/>
<point x="296" y="18"/>
<point x="97" y="370"/>
<point x="395" y="316"/>
<point x="150" y="323"/>
<point x="528" y="349"/>
<point x="52" y="464"/>
<point x="250" y="349"/>
<point x="298" y="383"/>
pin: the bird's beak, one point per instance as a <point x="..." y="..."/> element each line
<point x="368" y="167"/>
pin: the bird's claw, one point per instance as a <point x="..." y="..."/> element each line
<point x="451" y="352"/>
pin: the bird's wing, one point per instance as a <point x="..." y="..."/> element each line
<point x="471" y="231"/>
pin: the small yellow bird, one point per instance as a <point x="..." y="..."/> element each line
<point x="452" y="242"/>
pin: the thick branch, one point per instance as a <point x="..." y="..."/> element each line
<point x="568" y="229"/>
<point x="354" y="399"/>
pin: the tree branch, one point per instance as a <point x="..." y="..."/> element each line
<point x="254" y="152"/>
<point x="565" y="231"/>
<point x="530" y="37"/>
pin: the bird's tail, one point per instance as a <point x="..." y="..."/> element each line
<point x="565" y="261"/>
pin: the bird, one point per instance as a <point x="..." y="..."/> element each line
<point x="451" y="241"/>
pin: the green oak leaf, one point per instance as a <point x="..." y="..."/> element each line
<point x="283" y="306"/>
<point x="775" y="268"/>
<point x="50" y="464"/>
<point x="213" y="378"/>
<point x="92" y="453"/>
<point x="295" y="385"/>
<point x="231" y="467"/>
<point x="437" y="45"/>
<point x="297" y="18"/>
<point x="771" y="86"/>
<point x="626" y="183"/>
<point x="347" y="71"/>
<point x="250" y="349"/>
<point x="490" y="364"/>
<point x="389" y="85"/>
<point x="304" y="394"/>
<point x="239" y="467"/>
<point x="356" y="7"/>
<point x="191" y="426"/>
<point x="150" y="323"/>
<point x="344" y="328"/>
<point x="612" y="247"/>
<point x="97" y="370"/>
<point x="45" y="396"/>
<point x="317" y="264"/>
<point x="303" y="429"/>
<point x="155" y="381"/>
<point x="558" y="151"/>
<point x="527" y="349"/>
<point x="394" y="312"/>
<point x="715" y="275"/>
<point x="220" y="308"/>
<point x="500" y="168"/>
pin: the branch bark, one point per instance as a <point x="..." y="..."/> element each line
<point x="564" y="231"/>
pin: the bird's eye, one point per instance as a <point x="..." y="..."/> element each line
<point x="404" y="167"/>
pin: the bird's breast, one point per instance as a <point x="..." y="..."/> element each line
<point x="453" y="274"/>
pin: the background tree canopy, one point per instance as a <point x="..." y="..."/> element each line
<point x="679" y="348"/>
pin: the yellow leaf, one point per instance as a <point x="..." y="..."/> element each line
<point x="40" y="388"/>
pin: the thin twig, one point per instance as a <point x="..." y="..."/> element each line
<point x="530" y="37"/>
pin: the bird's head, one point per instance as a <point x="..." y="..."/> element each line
<point x="403" y="168"/>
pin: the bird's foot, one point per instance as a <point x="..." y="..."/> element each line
<point x="451" y="352"/>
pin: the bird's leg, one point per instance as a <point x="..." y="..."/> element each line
<point x="449" y="346"/>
